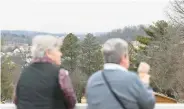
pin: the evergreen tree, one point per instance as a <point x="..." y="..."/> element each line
<point x="91" y="59"/>
<point x="155" y="34"/>
<point x="7" y="68"/>
<point x="156" y="31"/>
<point x="132" y="56"/>
<point x="70" y="50"/>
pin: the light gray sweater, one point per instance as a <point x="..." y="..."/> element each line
<point x="127" y="85"/>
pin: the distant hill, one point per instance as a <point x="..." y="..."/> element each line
<point x="28" y="33"/>
<point x="22" y="36"/>
<point x="128" y="33"/>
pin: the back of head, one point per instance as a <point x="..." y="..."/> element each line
<point x="41" y="43"/>
<point x="114" y="49"/>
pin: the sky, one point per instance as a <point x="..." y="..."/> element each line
<point x="62" y="16"/>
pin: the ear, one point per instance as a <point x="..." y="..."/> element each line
<point x="122" y="59"/>
<point x="126" y="56"/>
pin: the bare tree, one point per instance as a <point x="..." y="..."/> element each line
<point x="176" y="11"/>
<point x="165" y="55"/>
<point x="167" y="59"/>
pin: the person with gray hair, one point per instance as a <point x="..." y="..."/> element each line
<point x="115" y="87"/>
<point x="42" y="84"/>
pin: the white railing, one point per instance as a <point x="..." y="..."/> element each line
<point x="83" y="106"/>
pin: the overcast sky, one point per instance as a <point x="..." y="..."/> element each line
<point x="59" y="16"/>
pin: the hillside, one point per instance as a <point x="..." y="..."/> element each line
<point x="128" y="33"/>
<point x="21" y="36"/>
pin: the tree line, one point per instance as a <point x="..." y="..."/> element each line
<point x="161" y="45"/>
<point x="81" y="59"/>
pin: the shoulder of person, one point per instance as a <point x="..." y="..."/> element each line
<point x="132" y="76"/>
<point x="94" y="76"/>
<point x="63" y="71"/>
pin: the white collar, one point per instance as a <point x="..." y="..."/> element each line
<point x="113" y="66"/>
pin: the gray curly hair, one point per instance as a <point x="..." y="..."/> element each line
<point x="113" y="49"/>
<point x="42" y="43"/>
